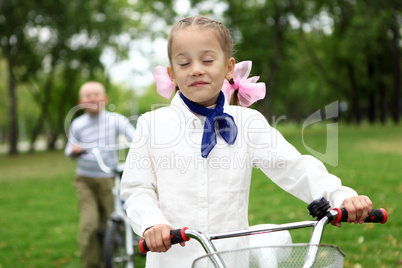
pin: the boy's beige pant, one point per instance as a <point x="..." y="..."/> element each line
<point x="95" y="201"/>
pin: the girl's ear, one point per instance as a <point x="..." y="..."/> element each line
<point x="230" y="68"/>
<point x="170" y="73"/>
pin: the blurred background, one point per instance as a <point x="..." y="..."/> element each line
<point x="310" y="53"/>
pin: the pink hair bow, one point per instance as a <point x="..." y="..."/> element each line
<point x="164" y="85"/>
<point x="249" y="90"/>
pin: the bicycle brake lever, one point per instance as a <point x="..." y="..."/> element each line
<point x="319" y="208"/>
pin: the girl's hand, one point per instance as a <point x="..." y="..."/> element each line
<point x="76" y="150"/>
<point x="358" y="208"/>
<point x="158" y="238"/>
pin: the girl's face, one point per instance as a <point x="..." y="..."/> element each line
<point x="198" y="65"/>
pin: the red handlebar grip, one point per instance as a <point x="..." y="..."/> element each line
<point x="141" y="245"/>
<point x="376" y="216"/>
<point x="183" y="234"/>
<point x="339" y="217"/>
<point x="176" y="236"/>
<point x="385" y="216"/>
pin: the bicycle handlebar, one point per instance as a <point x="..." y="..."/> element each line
<point x="336" y="215"/>
<point x="176" y="236"/>
<point x="97" y="153"/>
<point x="318" y="208"/>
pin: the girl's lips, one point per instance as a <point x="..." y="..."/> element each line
<point x="198" y="84"/>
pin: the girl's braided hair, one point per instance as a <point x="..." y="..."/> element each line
<point x="202" y="22"/>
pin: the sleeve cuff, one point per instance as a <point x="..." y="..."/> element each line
<point x="339" y="196"/>
<point x="153" y="220"/>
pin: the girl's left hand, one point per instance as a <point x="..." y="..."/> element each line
<point x="358" y="208"/>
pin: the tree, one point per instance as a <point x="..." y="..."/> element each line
<point x="43" y="40"/>
<point x="263" y="32"/>
<point x="363" y="57"/>
<point x="16" y="51"/>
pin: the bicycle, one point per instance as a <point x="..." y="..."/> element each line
<point x="119" y="241"/>
<point x="312" y="254"/>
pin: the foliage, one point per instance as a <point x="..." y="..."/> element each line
<point x="151" y="100"/>
<point x="121" y="100"/>
<point x="309" y="53"/>
<point x="362" y="51"/>
<point x="53" y="46"/>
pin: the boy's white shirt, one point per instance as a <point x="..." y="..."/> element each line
<point x="98" y="131"/>
<point x="166" y="181"/>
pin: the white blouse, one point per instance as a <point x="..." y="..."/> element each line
<point x="166" y="181"/>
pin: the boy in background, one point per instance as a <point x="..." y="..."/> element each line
<point x="96" y="128"/>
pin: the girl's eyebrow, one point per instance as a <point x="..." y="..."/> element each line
<point x="184" y="54"/>
<point x="181" y="54"/>
<point x="210" y="51"/>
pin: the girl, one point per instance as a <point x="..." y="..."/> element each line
<point x="190" y="164"/>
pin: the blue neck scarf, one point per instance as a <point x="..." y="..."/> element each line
<point x="226" y="125"/>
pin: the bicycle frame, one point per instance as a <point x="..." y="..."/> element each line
<point x="119" y="214"/>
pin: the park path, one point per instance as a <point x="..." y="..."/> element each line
<point x="24" y="146"/>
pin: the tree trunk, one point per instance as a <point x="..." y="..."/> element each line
<point x="382" y="91"/>
<point x="13" y="132"/>
<point x="383" y="103"/>
<point x="396" y="100"/>
<point x="57" y="125"/>
<point x="270" y="83"/>
<point x="372" y="108"/>
<point x="44" y="106"/>
<point x="51" y="140"/>
<point x="36" y="131"/>
<point x="354" y="95"/>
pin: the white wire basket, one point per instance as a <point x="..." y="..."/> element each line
<point x="291" y="256"/>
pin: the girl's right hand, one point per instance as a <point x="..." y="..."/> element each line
<point x="158" y="238"/>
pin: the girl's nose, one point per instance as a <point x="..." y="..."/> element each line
<point x="197" y="69"/>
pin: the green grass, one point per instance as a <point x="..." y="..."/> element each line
<point x="39" y="217"/>
<point x="370" y="161"/>
<point x="39" y="211"/>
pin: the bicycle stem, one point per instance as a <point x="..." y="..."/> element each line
<point x="315" y="239"/>
<point x="207" y="245"/>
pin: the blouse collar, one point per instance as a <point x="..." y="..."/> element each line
<point x="178" y="102"/>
